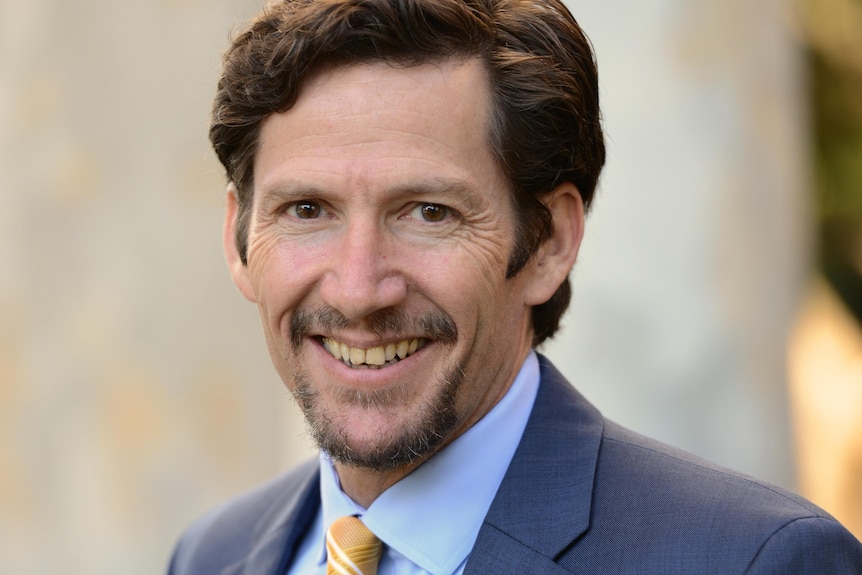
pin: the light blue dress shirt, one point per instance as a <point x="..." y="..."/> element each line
<point x="429" y="520"/>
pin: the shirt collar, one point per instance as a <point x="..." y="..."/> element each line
<point x="433" y="515"/>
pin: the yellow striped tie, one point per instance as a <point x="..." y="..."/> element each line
<point x="351" y="548"/>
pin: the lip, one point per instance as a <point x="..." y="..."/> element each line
<point x="343" y="375"/>
<point x="364" y="340"/>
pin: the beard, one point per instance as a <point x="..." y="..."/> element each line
<point x="424" y="434"/>
<point x="427" y="429"/>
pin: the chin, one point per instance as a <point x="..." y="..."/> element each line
<point x="374" y="430"/>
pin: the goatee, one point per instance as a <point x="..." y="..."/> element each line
<point x="422" y="435"/>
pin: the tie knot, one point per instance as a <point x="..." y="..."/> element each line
<point x="352" y="548"/>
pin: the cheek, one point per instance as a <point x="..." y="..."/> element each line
<point x="474" y="292"/>
<point x="282" y="273"/>
<point x="470" y="262"/>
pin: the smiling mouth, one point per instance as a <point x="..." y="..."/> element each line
<point x="373" y="357"/>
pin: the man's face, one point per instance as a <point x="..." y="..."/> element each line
<point x="380" y="230"/>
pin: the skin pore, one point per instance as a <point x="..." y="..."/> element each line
<point x="380" y="231"/>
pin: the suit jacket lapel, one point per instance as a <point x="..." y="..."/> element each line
<point x="282" y="529"/>
<point x="543" y="504"/>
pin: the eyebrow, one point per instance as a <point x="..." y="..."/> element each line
<point x="462" y="191"/>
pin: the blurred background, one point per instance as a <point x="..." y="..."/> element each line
<point x="718" y="298"/>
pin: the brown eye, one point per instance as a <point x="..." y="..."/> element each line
<point x="306" y="210"/>
<point x="434" y="212"/>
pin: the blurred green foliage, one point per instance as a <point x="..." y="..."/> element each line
<point x="836" y="99"/>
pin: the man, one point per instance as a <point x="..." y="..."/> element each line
<point x="408" y="182"/>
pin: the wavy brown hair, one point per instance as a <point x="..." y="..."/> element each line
<point x="545" y="127"/>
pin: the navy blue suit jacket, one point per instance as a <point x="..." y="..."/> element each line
<point x="582" y="495"/>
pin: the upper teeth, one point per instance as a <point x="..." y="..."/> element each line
<point x="372" y="356"/>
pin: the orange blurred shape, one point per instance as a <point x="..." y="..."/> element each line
<point x="825" y="371"/>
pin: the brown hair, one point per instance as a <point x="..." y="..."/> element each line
<point x="545" y="129"/>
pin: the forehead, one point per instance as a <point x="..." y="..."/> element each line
<point x="432" y="117"/>
<point x="459" y="84"/>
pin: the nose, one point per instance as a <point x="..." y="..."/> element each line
<point x="362" y="277"/>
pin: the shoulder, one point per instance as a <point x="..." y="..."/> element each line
<point x="811" y="544"/>
<point x="226" y="534"/>
<point x="630" y="504"/>
<point x="652" y="467"/>
<point x="658" y="501"/>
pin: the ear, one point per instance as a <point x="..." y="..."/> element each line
<point x="555" y="258"/>
<point x="238" y="270"/>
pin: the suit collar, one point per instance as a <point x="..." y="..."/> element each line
<point x="279" y="532"/>
<point x="543" y="504"/>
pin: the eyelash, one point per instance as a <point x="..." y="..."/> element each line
<point x="418" y="211"/>
<point x="292" y="209"/>
<point x="306" y="204"/>
<point x="445" y="212"/>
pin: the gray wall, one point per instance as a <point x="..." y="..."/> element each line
<point x="695" y="255"/>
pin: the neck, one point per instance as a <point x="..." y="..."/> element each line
<point x="364" y="485"/>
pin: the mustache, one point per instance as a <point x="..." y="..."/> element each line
<point x="435" y="325"/>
